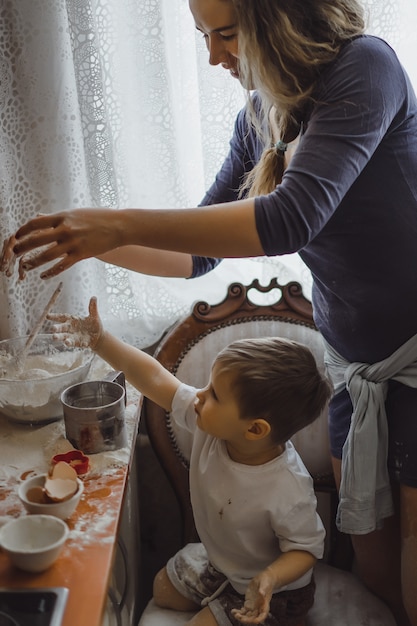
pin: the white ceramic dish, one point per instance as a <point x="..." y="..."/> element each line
<point x="63" y="510"/>
<point x="33" y="542"/>
<point x="33" y="396"/>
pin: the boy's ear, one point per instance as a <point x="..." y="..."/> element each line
<point x="259" y="429"/>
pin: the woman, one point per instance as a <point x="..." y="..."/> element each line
<point x="347" y="203"/>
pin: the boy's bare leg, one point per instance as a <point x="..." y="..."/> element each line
<point x="166" y="596"/>
<point x="203" y="618"/>
<point x="378" y="557"/>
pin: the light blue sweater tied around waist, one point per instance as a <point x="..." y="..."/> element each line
<point x="365" y="492"/>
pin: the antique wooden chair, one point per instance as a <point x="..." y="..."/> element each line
<point x="188" y="350"/>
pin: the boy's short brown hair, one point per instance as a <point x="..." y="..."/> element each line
<point x="278" y="380"/>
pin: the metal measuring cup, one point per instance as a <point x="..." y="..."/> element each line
<point x="94" y="415"/>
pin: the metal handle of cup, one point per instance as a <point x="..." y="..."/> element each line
<point x="117" y="377"/>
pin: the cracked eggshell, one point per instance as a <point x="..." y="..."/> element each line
<point x="63" y="509"/>
<point x="62" y="483"/>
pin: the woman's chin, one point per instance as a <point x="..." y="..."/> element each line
<point x="246" y="84"/>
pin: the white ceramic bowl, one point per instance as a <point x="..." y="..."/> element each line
<point x="33" y="542"/>
<point x="63" y="510"/>
<point x="34" y="395"/>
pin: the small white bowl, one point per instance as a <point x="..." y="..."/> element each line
<point x="63" y="510"/>
<point x="33" y="542"/>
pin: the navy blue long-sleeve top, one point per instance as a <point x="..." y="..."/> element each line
<point x="347" y="202"/>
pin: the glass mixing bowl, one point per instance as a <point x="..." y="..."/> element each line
<point x="32" y="396"/>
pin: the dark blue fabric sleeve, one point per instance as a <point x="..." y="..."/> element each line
<point x="203" y="264"/>
<point x="348" y="202"/>
<point x="244" y="151"/>
<point x="355" y="108"/>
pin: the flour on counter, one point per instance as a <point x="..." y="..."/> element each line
<point x="29" y="448"/>
<point x="88" y="526"/>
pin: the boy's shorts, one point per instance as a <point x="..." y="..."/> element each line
<point x="195" y="578"/>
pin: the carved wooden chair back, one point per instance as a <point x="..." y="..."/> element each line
<point x="188" y="351"/>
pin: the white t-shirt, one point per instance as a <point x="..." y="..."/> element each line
<point x="247" y="515"/>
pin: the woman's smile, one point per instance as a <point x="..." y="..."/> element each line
<point x="216" y="20"/>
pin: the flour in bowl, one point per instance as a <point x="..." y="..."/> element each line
<point x="38" y="366"/>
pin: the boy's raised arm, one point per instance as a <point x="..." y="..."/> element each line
<point x="141" y="370"/>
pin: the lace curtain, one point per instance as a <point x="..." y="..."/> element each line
<point x="113" y="103"/>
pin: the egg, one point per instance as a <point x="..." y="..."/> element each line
<point x="62" y="483"/>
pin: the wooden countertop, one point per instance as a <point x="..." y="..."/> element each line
<point x="85" y="564"/>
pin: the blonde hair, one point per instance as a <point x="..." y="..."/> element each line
<point x="283" y="47"/>
<point x="278" y="380"/>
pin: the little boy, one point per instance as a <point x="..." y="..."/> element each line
<point x="253" y="499"/>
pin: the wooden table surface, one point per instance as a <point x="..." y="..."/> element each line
<point x="85" y="564"/>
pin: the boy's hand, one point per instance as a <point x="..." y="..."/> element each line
<point x="257" y="599"/>
<point x="83" y="332"/>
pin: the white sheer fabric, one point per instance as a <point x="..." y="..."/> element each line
<point x="113" y="103"/>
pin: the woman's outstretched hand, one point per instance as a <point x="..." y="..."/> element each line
<point x="82" y="332"/>
<point x="61" y="238"/>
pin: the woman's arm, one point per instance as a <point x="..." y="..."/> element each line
<point x="244" y="151"/>
<point x="150" y="261"/>
<point x="223" y="230"/>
